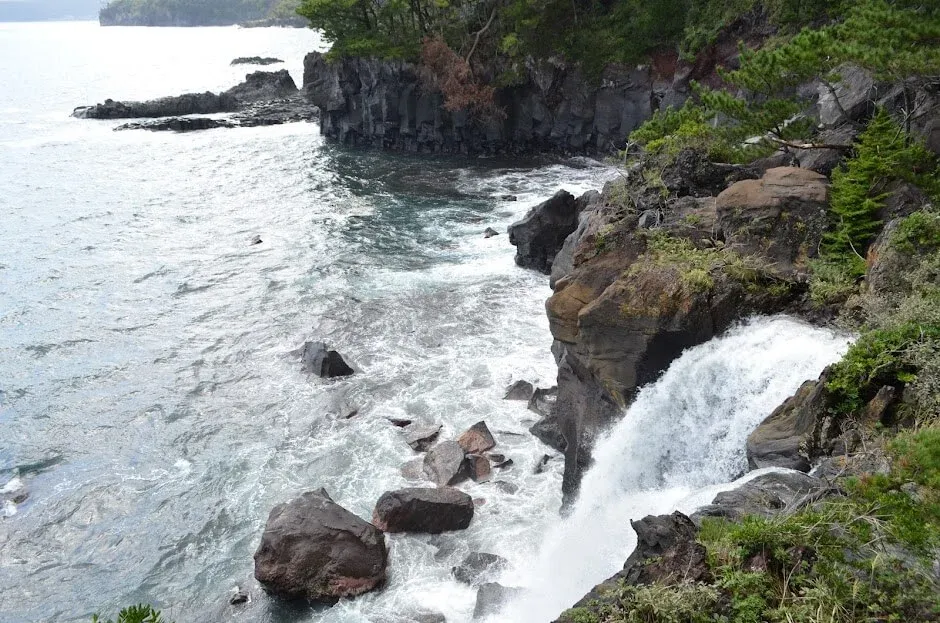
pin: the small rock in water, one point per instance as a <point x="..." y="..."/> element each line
<point x="543" y="462"/>
<point x="508" y="198"/>
<point x="445" y="464"/>
<point x="350" y="413"/>
<point x="256" y="240"/>
<point x="401" y="423"/>
<point x="241" y="596"/>
<point x="430" y="511"/>
<point x="477" y="439"/>
<point x="421" y="438"/>
<point x="414" y="470"/>
<point x="489" y="232"/>
<point x="318" y="359"/>
<point x="480" y="470"/>
<point x="507" y="487"/>
<point x="520" y="390"/>
<point x="477" y="567"/>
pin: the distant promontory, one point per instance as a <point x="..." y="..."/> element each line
<point x="201" y="13"/>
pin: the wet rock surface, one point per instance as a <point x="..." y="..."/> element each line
<point x="317" y="358"/>
<point x="478" y="567"/>
<point x="430" y="511"/>
<point x="314" y="549"/>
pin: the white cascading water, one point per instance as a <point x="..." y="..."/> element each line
<point x="680" y="443"/>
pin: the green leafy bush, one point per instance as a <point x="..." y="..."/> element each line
<point x="141" y="613"/>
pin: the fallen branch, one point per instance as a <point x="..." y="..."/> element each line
<point x="480" y="34"/>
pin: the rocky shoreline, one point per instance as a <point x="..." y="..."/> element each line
<point x="264" y="98"/>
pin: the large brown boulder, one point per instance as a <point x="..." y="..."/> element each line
<point x="477" y="439"/>
<point x="779" y="217"/>
<point x="430" y="511"/>
<point x="314" y="549"/>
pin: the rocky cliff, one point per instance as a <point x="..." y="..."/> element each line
<point x="553" y="108"/>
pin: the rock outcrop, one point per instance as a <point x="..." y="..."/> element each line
<point x="430" y="511"/>
<point x="256" y="60"/>
<point x="658" y="269"/>
<point x="314" y="549"/>
<point x="552" y="108"/>
<point x="539" y="236"/>
<point x="317" y="358"/>
<point x="478" y="567"/>
<point x="264" y="98"/>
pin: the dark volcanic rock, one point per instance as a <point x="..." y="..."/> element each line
<point x="479" y="467"/>
<point x="520" y="390"/>
<point x="318" y="359"/>
<point x="489" y="232"/>
<point x="765" y="495"/>
<point x="264" y="98"/>
<point x="477" y="439"/>
<point x="543" y="401"/>
<point x="188" y="104"/>
<point x="479" y="567"/>
<point x="539" y="236"/>
<point x="491" y="597"/>
<point x="429" y="511"/>
<point x="548" y="431"/>
<point x="314" y="549"/>
<point x="240" y="596"/>
<point x="553" y="107"/>
<point x="445" y="464"/>
<point x="256" y="60"/>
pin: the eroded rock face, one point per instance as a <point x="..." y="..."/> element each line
<point x="314" y="549"/>
<point x="554" y="108"/>
<point x="765" y="495"/>
<point x="429" y="511"/>
<point x="779" y="217"/>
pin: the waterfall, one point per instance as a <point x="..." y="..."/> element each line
<point x="680" y="442"/>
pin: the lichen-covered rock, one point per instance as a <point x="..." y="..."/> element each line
<point x="430" y="511"/>
<point x="314" y="549"/>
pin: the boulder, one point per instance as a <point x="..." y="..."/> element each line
<point x="520" y="390"/>
<point x="263" y="85"/>
<point x="507" y="487"/>
<point x="420" y="438"/>
<point x="477" y="439"/>
<point x="491" y="597"/>
<point x="239" y="596"/>
<point x="314" y="549"/>
<point x="478" y="567"/>
<point x="445" y="464"/>
<point x="479" y="467"/>
<point x="430" y="511"/>
<point x="540" y="235"/>
<point x="414" y="470"/>
<point x="489" y="232"/>
<point x="779" y="217"/>
<point x="318" y="359"/>
<point x="543" y="401"/>
<point x="766" y="495"/>
<point x="851" y="98"/>
<point x="399" y="422"/>
<point x="824" y="160"/>
<point x="692" y="174"/>
<point x="548" y="431"/>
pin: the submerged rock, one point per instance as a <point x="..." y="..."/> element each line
<point x="430" y="511"/>
<point x="314" y="549"/>
<point x="477" y="567"/>
<point x="489" y="232"/>
<point x="318" y="359"/>
<point x="491" y="597"/>
<point x="520" y="390"/>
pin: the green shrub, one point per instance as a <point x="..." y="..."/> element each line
<point x="141" y="613"/>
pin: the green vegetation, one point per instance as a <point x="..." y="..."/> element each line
<point x="141" y="613"/>
<point x="193" y="12"/>
<point x="697" y="267"/>
<point x="863" y="557"/>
